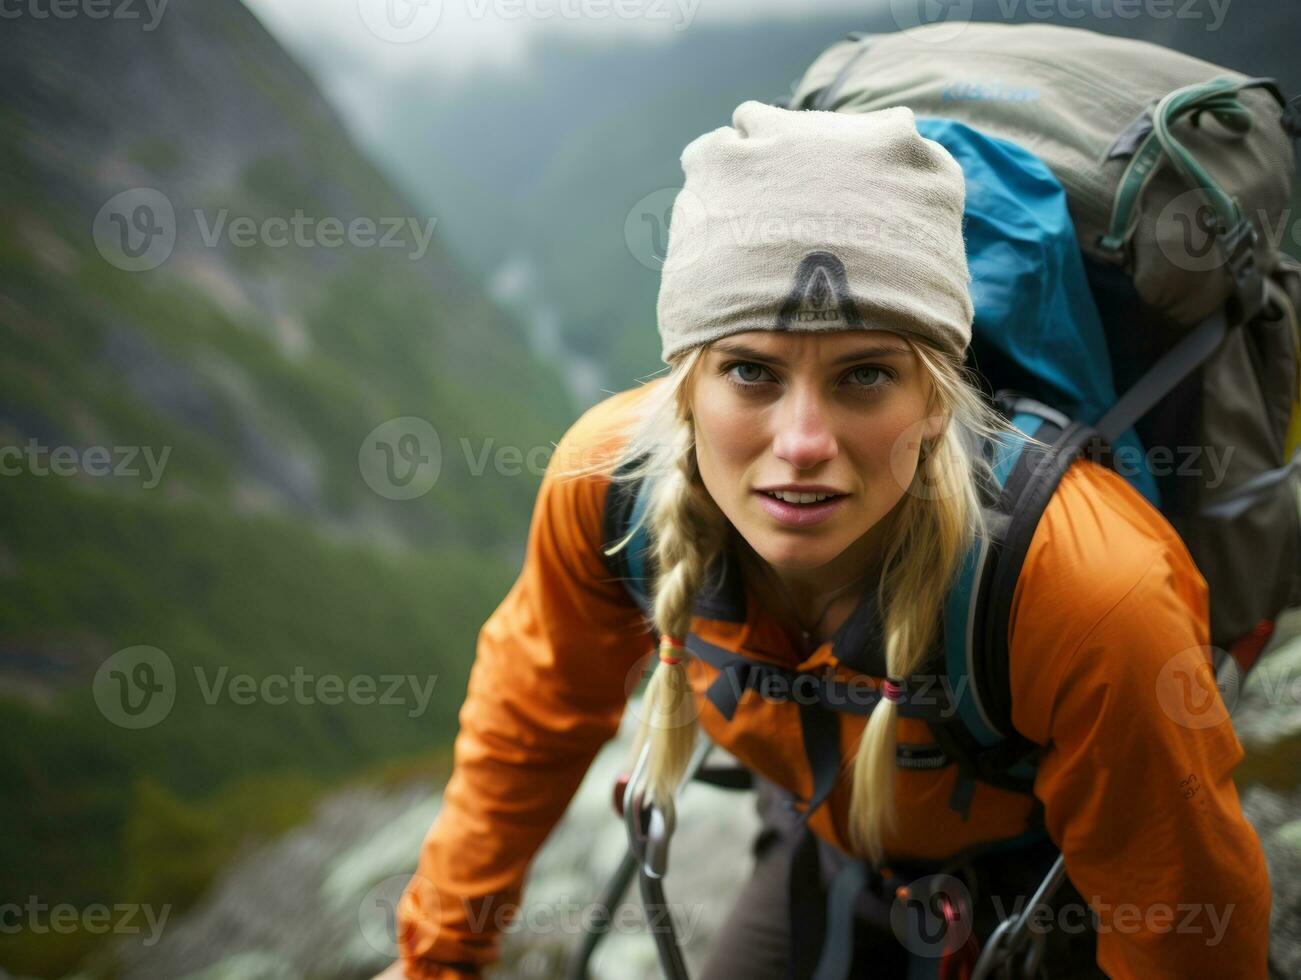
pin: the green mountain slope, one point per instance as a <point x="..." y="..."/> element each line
<point x="190" y="459"/>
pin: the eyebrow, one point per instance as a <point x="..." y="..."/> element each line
<point x="741" y="350"/>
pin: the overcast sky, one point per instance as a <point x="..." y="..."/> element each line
<point x="371" y="36"/>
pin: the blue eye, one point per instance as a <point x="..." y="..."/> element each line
<point x="885" y="377"/>
<point x="876" y="371"/>
<point x="743" y="364"/>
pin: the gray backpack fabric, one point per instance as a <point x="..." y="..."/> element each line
<point x="1085" y="104"/>
<point x="1178" y="174"/>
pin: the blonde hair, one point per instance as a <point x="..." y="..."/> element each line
<point x="927" y="536"/>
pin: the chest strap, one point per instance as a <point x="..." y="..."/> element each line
<point x="822" y="928"/>
<point x="738" y="674"/>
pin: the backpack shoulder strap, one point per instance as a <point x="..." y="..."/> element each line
<point x="633" y="564"/>
<point x="981" y="737"/>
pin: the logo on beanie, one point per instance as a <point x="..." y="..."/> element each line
<point x="820" y="296"/>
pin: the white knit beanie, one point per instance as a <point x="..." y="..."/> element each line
<point x="816" y="221"/>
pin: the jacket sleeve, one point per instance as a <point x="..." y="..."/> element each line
<point x="553" y="668"/>
<point x="1137" y="781"/>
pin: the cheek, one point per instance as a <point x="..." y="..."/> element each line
<point x="726" y="439"/>
<point x="889" y="450"/>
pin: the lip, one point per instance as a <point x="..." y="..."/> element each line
<point x="799" y="515"/>
<point x="801" y="488"/>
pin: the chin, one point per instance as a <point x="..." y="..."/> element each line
<point x="797" y="554"/>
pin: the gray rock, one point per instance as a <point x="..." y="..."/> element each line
<point x="319" y="901"/>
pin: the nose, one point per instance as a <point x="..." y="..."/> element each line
<point x="803" y="436"/>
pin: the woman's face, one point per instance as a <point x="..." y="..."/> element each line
<point x="843" y="412"/>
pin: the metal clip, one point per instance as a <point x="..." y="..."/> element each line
<point x="1012" y="945"/>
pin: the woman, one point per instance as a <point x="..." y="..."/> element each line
<point x="821" y="361"/>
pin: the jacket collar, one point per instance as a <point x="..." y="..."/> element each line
<point x="857" y="644"/>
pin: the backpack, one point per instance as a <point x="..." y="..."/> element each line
<point x="1086" y="160"/>
<point x="1177" y="219"/>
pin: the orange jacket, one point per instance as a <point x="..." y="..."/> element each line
<point x="1109" y="620"/>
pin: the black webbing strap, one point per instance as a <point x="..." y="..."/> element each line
<point x="838" y="941"/>
<point x="1026" y="495"/>
<point x="827" y="96"/>
<point x="821" y="730"/>
<point x="822" y="928"/>
<point x="726" y="777"/>
<point x="1161" y="378"/>
<point x="819" y="690"/>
